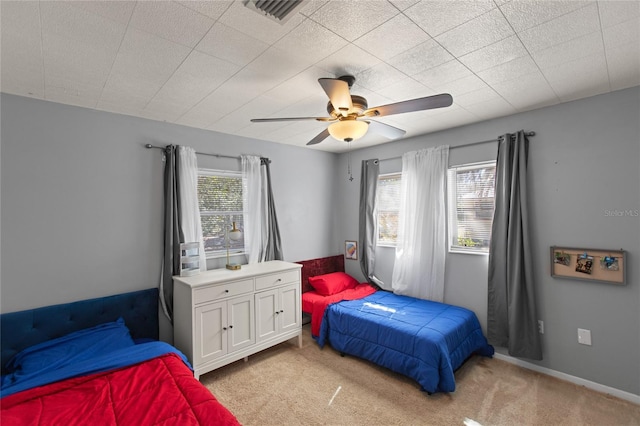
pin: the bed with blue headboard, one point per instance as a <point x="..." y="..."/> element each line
<point x="98" y="361"/>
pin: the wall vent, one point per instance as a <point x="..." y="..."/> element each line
<point x="278" y="10"/>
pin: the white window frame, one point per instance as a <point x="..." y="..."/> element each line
<point x="224" y="173"/>
<point x="452" y="208"/>
<point x="380" y="243"/>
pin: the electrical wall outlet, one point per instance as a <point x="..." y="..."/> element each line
<point x="540" y="326"/>
<point x="584" y="337"/>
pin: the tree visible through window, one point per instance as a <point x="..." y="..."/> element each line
<point x="220" y="200"/>
<point x="471" y="205"/>
<point x="388" y="208"/>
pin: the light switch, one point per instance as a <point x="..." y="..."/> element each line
<point x="584" y="336"/>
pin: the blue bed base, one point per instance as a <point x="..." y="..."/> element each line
<point x="19" y="330"/>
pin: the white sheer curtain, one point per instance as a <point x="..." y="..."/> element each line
<point x="254" y="205"/>
<point x="420" y="254"/>
<point x="189" y="208"/>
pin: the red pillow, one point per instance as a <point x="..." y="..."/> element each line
<point x="332" y="283"/>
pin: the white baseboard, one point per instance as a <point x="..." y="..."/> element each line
<point x="627" y="396"/>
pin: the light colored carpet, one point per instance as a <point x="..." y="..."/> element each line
<point x="286" y="385"/>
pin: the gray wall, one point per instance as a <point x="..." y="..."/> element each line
<point x="584" y="160"/>
<point x="81" y="212"/>
<point x="82" y="199"/>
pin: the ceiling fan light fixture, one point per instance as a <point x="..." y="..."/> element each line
<point x="348" y="130"/>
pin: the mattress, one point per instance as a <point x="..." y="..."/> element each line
<point x="421" y="339"/>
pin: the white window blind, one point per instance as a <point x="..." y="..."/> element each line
<point x="388" y="208"/>
<point x="220" y="201"/>
<point x="471" y="193"/>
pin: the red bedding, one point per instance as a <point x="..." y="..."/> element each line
<point x="161" y="391"/>
<point x="320" y="303"/>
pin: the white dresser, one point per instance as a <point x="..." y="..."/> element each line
<point x="221" y="316"/>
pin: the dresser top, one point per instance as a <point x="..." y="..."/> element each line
<point x="214" y="276"/>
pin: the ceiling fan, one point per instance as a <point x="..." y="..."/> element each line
<point x="349" y="114"/>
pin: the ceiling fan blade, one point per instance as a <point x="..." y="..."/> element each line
<point x="338" y="93"/>
<point x="321" y="136"/>
<point x="386" y="130"/>
<point x="267" y="120"/>
<point x="419" y="104"/>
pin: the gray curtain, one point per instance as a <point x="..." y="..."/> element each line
<point x="367" y="224"/>
<point x="273" y="246"/>
<point x="172" y="230"/>
<point x="512" y="317"/>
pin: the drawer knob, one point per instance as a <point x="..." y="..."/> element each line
<point x="226" y="291"/>
<point x="230" y="326"/>
<point x="224" y="328"/>
<point x="277" y="312"/>
<point x="278" y="280"/>
<point x="281" y="311"/>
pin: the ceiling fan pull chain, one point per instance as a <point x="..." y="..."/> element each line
<point x="349" y="162"/>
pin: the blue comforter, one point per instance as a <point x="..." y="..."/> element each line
<point x="19" y="381"/>
<point x="424" y="340"/>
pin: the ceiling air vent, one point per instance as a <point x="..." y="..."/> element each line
<point x="278" y="10"/>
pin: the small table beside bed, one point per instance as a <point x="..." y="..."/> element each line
<point x="424" y="340"/>
<point x="99" y="361"/>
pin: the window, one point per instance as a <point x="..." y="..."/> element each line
<point x="220" y="200"/>
<point x="388" y="208"/>
<point x="471" y="190"/>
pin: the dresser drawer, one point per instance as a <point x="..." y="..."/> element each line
<point x="272" y="280"/>
<point x="220" y="291"/>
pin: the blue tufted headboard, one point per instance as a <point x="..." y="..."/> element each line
<point x="19" y="330"/>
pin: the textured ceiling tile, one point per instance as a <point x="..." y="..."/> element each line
<point x="627" y="32"/>
<point x="393" y="37"/>
<point x="491" y="108"/>
<point x="276" y="65"/>
<point x="403" y="4"/>
<point x="379" y="76"/>
<point x="300" y="87"/>
<point x="406" y="89"/>
<point x="22" y="64"/>
<point x="421" y="58"/>
<point x="437" y="16"/>
<point x="473" y="97"/>
<point x="205" y="113"/>
<point x="527" y="92"/>
<point x="79" y="45"/>
<point x="118" y="11"/>
<point x="624" y="66"/>
<point x="196" y="77"/>
<point x="352" y="19"/>
<point x="311" y="41"/>
<point x="476" y="34"/>
<point x="231" y="45"/>
<point x="170" y="21"/>
<point x="438" y="76"/>
<point x="461" y="86"/>
<point x="524" y="14"/>
<point x="495" y="54"/>
<point x="564" y="28"/>
<point x="211" y="9"/>
<point x="79" y="96"/>
<point x="587" y="45"/>
<point x="146" y="60"/>
<point x="509" y="70"/>
<point x="66" y="22"/>
<point x="616" y="12"/>
<point x="578" y="90"/>
<point x="257" y="25"/>
<point x="350" y="60"/>
<point x="580" y="71"/>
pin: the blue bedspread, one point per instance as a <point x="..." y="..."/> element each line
<point x="12" y="383"/>
<point x="424" y="340"/>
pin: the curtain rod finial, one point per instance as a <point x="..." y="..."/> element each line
<point x="148" y="146"/>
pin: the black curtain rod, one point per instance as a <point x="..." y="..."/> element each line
<point x="149" y="146"/>
<point x="466" y="144"/>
